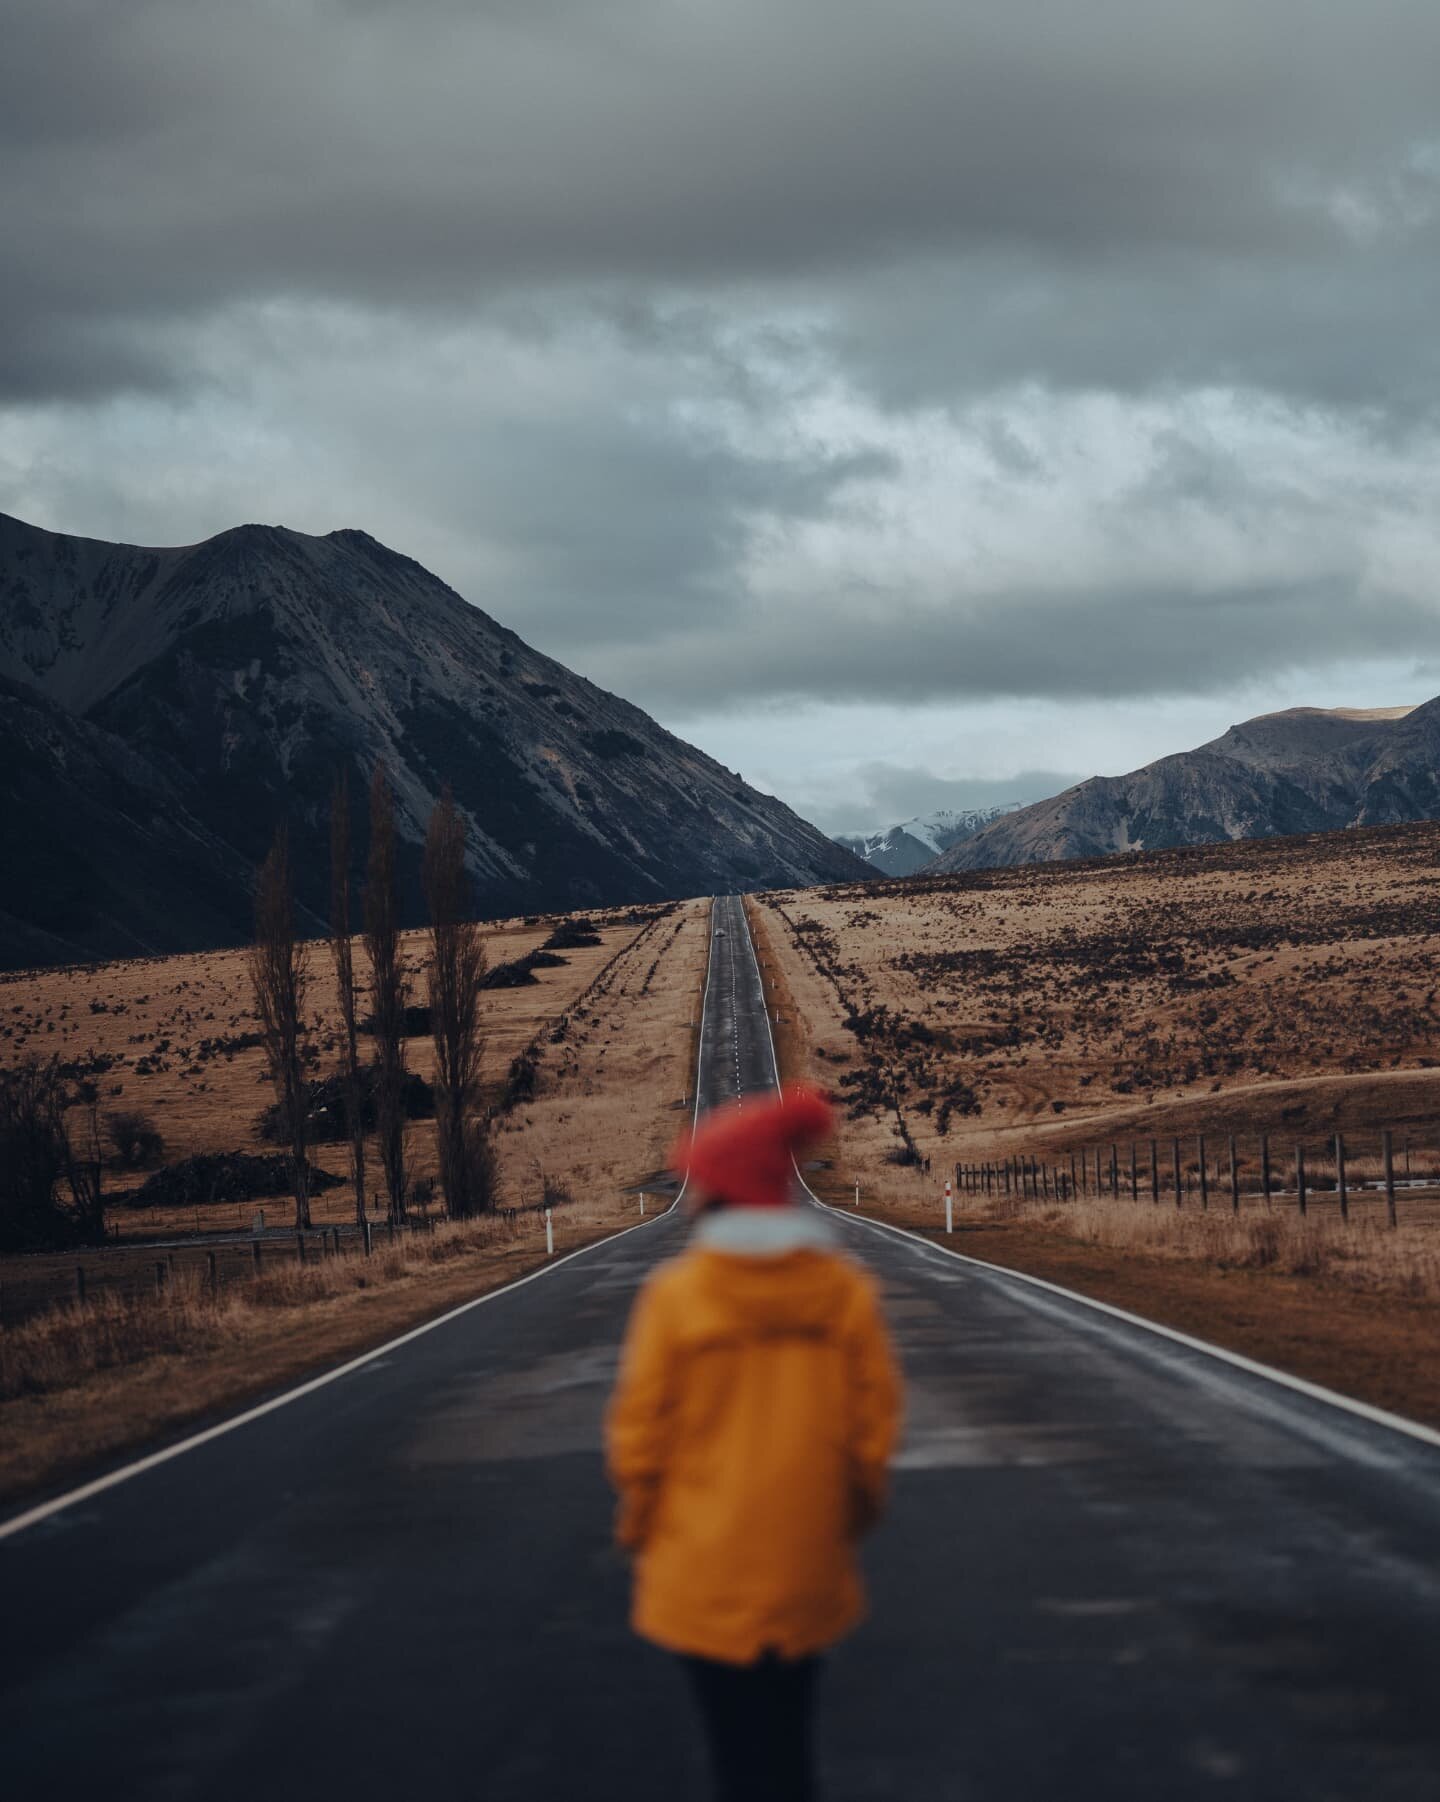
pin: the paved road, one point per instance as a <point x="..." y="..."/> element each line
<point x="1113" y="1569"/>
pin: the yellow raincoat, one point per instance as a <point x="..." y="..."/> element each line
<point x="748" y="1436"/>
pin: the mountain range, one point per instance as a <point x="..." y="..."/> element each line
<point x="902" y="850"/>
<point x="162" y="710"/>
<point x="1308" y="769"/>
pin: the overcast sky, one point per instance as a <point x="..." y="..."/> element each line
<point x="913" y="404"/>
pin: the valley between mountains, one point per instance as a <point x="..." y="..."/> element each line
<point x="1052" y="1018"/>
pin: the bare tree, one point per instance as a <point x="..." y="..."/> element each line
<point x="382" y="941"/>
<point x="342" y="951"/>
<point x="457" y="964"/>
<point x="279" y="975"/>
<point x="85" y="1165"/>
<point x="36" y="1151"/>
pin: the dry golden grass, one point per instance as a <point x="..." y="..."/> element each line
<point x="81" y="1384"/>
<point x="1282" y="987"/>
<point x="67" y="1345"/>
<point x="612" y="1096"/>
<point x="1363" y="1255"/>
<point x="1381" y="1348"/>
<point x="159" y="1025"/>
<point x="616" y="1040"/>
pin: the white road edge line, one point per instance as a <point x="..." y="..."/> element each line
<point x="1381" y="1417"/>
<point x="112" y="1479"/>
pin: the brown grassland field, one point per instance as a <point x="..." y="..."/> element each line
<point x="610" y="1033"/>
<point x="1286" y="986"/>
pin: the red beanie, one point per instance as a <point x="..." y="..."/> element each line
<point x="744" y="1155"/>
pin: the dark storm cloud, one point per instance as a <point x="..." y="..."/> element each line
<point x="748" y="208"/>
<point x="1347" y="329"/>
<point x="651" y="529"/>
<point x="1071" y="646"/>
<point x="895" y="792"/>
<point x="165" y="157"/>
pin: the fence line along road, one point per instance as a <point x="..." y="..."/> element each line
<point x="1184" y="1179"/>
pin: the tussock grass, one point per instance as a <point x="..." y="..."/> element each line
<point x="67" y="1345"/>
<point x="1363" y="1253"/>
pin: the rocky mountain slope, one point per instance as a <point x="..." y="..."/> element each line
<point x="903" y="849"/>
<point x="1305" y="770"/>
<point x="163" y="709"/>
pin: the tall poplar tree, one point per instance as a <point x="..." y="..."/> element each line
<point x="279" y="976"/>
<point x="382" y="941"/>
<point x="342" y="952"/>
<point x="457" y="965"/>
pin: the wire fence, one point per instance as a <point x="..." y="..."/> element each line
<point x="33" y="1282"/>
<point x="1343" y="1172"/>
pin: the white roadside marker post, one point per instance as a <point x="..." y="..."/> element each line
<point x="642" y="1201"/>
<point x="549" y="1235"/>
<point x="949" y="1211"/>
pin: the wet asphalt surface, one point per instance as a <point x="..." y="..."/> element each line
<point x="1113" y="1568"/>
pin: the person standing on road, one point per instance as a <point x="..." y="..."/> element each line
<point x="748" y="1437"/>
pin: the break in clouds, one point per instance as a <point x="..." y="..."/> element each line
<point x="750" y="355"/>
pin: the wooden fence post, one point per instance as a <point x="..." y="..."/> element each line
<point x="1340" y="1176"/>
<point x="300" y="1247"/>
<point x="1234" y="1179"/>
<point x="1175" y="1160"/>
<point x="1300" y="1176"/>
<point x="1204" y="1174"/>
<point x="1155" y="1172"/>
<point x="255" y="1254"/>
<point x="1388" y="1151"/>
<point x="161" y="1272"/>
<point x="214" y="1273"/>
<point x="1114" y="1169"/>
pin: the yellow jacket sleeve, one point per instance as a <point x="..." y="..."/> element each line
<point x="875" y="1410"/>
<point x="637" y="1425"/>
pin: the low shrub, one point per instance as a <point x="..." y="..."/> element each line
<point x="520" y="971"/>
<point x="329" y="1117"/>
<point x="572" y="935"/>
<point x="136" y="1139"/>
<point x="223" y="1176"/>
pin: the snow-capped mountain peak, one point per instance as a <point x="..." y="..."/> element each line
<point x="903" y="849"/>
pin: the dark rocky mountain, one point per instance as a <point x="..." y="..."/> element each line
<point x="1305" y="770"/>
<point x="902" y="850"/>
<point x="163" y="709"/>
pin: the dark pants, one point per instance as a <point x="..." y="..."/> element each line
<point x="758" y="1725"/>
